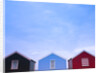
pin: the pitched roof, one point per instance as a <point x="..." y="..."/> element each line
<point x="81" y="53"/>
<point x="20" y="55"/>
<point x="52" y="54"/>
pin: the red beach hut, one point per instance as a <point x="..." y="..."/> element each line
<point x="82" y="60"/>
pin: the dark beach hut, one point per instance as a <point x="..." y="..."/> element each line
<point x="17" y="62"/>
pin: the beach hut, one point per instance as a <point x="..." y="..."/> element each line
<point x="52" y="62"/>
<point x="82" y="60"/>
<point x="17" y="62"/>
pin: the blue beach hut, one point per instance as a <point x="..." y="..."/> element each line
<point x="52" y="62"/>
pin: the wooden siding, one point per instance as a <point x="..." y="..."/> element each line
<point x="77" y="61"/>
<point x="24" y="64"/>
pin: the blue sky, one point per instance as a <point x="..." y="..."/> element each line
<point x="37" y="29"/>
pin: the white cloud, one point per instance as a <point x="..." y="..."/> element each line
<point x="38" y="50"/>
<point x="48" y="12"/>
<point x="90" y="49"/>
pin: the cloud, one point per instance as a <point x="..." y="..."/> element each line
<point x="48" y="12"/>
<point x="90" y="49"/>
<point x="40" y="49"/>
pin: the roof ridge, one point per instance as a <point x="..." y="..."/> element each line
<point x="53" y="54"/>
<point x="19" y="54"/>
<point x="81" y="53"/>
